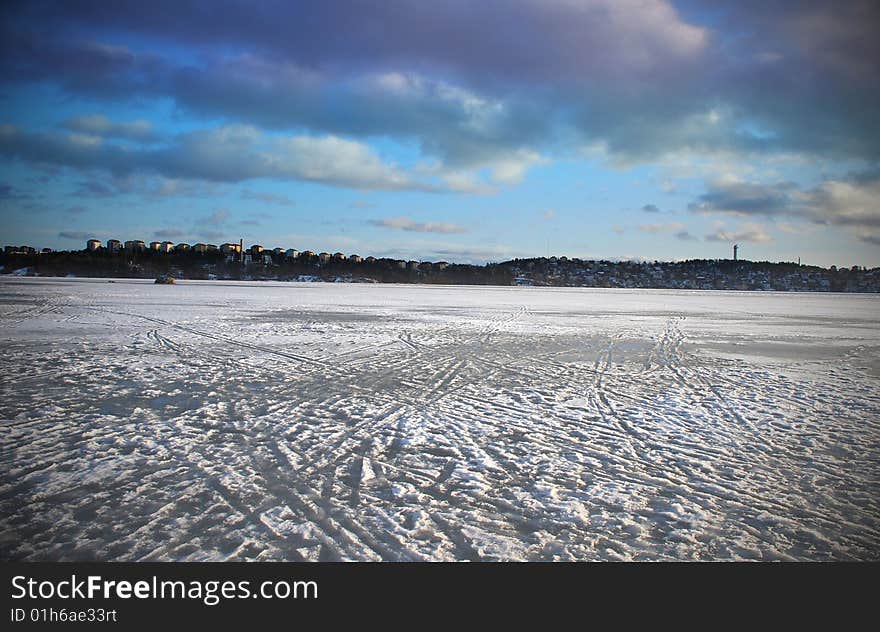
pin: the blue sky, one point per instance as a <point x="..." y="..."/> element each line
<point x="462" y="131"/>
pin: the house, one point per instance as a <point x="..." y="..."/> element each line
<point x="167" y="246"/>
<point x="46" y="251"/>
<point x="267" y="258"/>
<point x="256" y="250"/>
<point x="230" y="249"/>
<point x="412" y="265"/>
<point x="182" y="247"/>
<point x="400" y="263"/>
<point x="338" y="256"/>
<point x="200" y="248"/>
<point x="370" y="260"/>
<point x="354" y="258"/>
<point x="291" y="253"/>
<point x="156" y="245"/>
<point x="211" y="247"/>
<point x="278" y="251"/>
<point x="324" y="257"/>
<point x="441" y="265"/>
<point x="114" y="245"/>
<point x="93" y="245"/>
<point x="307" y="254"/>
<point x="135" y="245"/>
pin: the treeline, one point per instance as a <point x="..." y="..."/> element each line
<point x="214" y="265"/>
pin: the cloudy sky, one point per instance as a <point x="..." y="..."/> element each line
<point x="458" y="130"/>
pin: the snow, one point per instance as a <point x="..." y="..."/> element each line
<point x="322" y="421"/>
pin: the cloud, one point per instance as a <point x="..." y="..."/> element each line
<point x="76" y="210"/>
<point x="94" y="188"/>
<point x="870" y="239"/>
<point x="753" y="233"/>
<point x="233" y="153"/>
<point x="548" y="214"/>
<point x="685" y="236"/>
<point x="485" y="91"/>
<point x="852" y="202"/>
<point x="100" y="125"/>
<point x="661" y="228"/>
<point x="75" y="235"/>
<point x="217" y="218"/>
<point x="268" y="198"/>
<point x="650" y="208"/>
<point x="405" y="223"/>
<point x="7" y="192"/>
<point x="168" y="233"/>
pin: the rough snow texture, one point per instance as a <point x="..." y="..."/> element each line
<point x="261" y="421"/>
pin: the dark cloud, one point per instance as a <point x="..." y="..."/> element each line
<point x="685" y="236"/>
<point x="405" y="223"/>
<point x="7" y="192"/>
<point x="650" y="208"/>
<point x="844" y="202"/>
<point x="75" y="235"/>
<point x="747" y="198"/>
<point x="93" y="188"/>
<point x="471" y="83"/>
<point x="169" y="233"/>
<point x="100" y="125"/>
<point x="870" y="239"/>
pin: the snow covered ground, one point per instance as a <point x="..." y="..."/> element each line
<point x="272" y="421"/>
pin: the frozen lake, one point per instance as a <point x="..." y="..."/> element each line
<point x="277" y="421"/>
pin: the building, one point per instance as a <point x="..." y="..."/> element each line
<point x="167" y="246"/>
<point x="211" y="247"/>
<point x="181" y="247"/>
<point x="200" y="248"/>
<point x="307" y="254"/>
<point x="278" y="251"/>
<point x="370" y="259"/>
<point x="338" y="256"/>
<point x="412" y="265"/>
<point x="228" y="249"/>
<point x="114" y="245"/>
<point x="355" y="258"/>
<point x="93" y="245"/>
<point x="256" y="250"/>
<point x="441" y="265"/>
<point x="291" y="253"/>
<point x="156" y="246"/>
<point x="324" y="257"/>
<point x="135" y="245"/>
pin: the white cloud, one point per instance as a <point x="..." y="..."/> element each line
<point x="750" y="232"/>
<point x="405" y="223"/>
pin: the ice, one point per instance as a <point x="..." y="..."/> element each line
<point x="301" y="421"/>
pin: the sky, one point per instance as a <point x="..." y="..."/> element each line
<point x="457" y="130"/>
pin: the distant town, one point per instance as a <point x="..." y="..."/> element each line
<point x="231" y="261"/>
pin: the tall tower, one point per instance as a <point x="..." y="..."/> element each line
<point x="241" y="251"/>
<point x="735" y="249"/>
